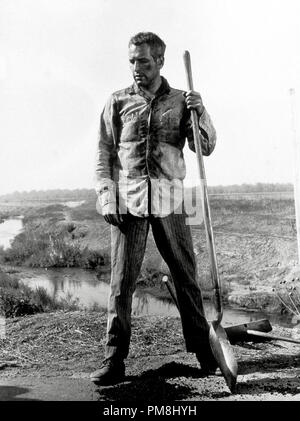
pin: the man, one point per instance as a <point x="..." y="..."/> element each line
<point x="140" y="171"/>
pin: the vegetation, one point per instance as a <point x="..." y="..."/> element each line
<point x="4" y="215"/>
<point x="17" y="299"/>
<point x="48" y="240"/>
<point x="89" y="194"/>
<point x="37" y="248"/>
<point x="288" y="293"/>
<point x="50" y="195"/>
<point x="254" y="234"/>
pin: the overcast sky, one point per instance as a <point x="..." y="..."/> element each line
<point x="61" y="59"/>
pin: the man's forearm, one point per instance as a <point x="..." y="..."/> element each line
<point x="208" y="133"/>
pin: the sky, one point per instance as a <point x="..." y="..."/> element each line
<point x="61" y="59"/>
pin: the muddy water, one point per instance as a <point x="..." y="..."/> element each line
<point x="88" y="290"/>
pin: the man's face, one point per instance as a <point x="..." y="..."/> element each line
<point x="145" y="69"/>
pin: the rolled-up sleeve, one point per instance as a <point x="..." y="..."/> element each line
<point x="207" y="132"/>
<point x="106" y="151"/>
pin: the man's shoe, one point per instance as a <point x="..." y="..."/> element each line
<point x="111" y="372"/>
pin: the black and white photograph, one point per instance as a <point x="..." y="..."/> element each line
<point x="150" y="203"/>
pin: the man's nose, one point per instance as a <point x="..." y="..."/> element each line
<point x="136" y="66"/>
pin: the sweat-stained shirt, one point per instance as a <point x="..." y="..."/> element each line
<point x="139" y="163"/>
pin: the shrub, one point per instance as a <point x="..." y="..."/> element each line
<point x="43" y="300"/>
<point x="17" y="302"/>
<point x="18" y="299"/>
<point x="42" y="246"/>
<point x="7" y="281"/>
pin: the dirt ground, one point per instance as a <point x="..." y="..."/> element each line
<point x="49" y="357"/>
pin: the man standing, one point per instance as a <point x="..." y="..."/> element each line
<point x="140" y="170"/>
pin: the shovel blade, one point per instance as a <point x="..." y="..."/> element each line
<point x="223" y="353"/>
<point x="239" y="333"/>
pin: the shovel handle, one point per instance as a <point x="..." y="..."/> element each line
<point x="171" y="290"/>
<point x="204" y="194"/>
<point x="267" y="336"/>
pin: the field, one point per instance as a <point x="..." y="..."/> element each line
<point x="49" y="356"/>
<point x="255" y="238"/>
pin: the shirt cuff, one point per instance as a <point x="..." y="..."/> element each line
<point x="106" y="192"/>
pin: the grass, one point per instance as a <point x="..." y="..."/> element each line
<point x="17" y="299"/>
<point x="255" y="240"/>
<point x="288" y="293"/>
<point x="47" y="240"/>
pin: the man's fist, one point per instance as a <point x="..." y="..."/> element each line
<point x="194" y="101"/>
<point x="111" y="214"/>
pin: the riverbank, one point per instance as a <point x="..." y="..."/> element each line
<point x="49" y="357"/>
<point x="18" y="299"/>
<point x="255" y="242"/>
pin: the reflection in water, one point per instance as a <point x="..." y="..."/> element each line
<point x="78" y="284"/>
<point x="84" y="286"/>
<point x="144" y="303"/>
<point x="72" y="204"/>
<point x="8" y="230"/>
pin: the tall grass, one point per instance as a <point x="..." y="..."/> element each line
<point x="288" y="293"/>
<point x="17" y="299"/>
<point x="42" y="244"/>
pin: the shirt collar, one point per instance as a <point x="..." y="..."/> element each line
<point x="163" y="89"/>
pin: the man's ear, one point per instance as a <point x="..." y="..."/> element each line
<point x="160" y="61"/>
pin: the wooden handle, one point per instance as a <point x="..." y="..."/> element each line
<point x="188" y="69"/>
<point x="194" y="117"/>
<point x="204" y="194"/>
<point x="171" y="290"/>
<point x="274" y="337"/>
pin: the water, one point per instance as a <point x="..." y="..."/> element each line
<point x="73" y="204"/>
<point x="9" y="229"/>
<point x="88" y="290"/>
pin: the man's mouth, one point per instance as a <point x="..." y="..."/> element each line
<point x="139" y="76"/>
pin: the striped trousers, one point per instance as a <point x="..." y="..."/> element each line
<point x="174" y="242"/>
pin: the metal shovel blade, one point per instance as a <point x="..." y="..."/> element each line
<point x="223" y="354"/>
<point x="241" y="332"/>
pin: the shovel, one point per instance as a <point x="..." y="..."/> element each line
<point x="218" y="339"/>
<point x="254" y="331"/>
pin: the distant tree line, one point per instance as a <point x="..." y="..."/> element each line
<point x="89" y="194"/>
<point x="251" y="188"/>
<point x="51" y="195"/>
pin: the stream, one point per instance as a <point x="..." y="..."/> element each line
<point x="87" y="290"/>
<point x="84" y="287"/>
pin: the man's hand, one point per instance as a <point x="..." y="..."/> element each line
<point x="111" y="215"/>
<point x="194" y="101"/>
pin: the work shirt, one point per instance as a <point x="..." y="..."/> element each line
<point x="140" y="163"/>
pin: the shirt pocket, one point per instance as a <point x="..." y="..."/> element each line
<point x="169" y="127"/>
<point x="130" y="128"/>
